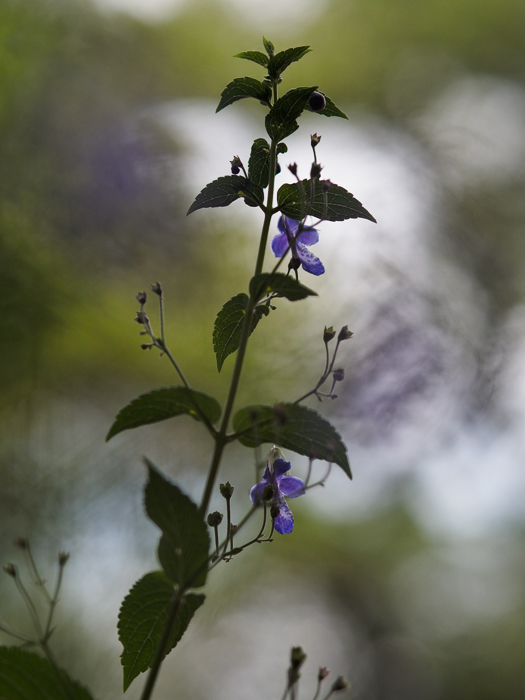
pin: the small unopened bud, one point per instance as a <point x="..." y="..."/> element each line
<point x="344" y="334"/>
<point x="146" y="346"/>
<point x="294" y="264"/>
<point x="10" y="570"/>
<point x="315" y="171"/>
<point x="63" y="558"/>
<point x="156" y="288"/>
<point x="141" y="298"/>
<point x="326" y="185"/>
<point x="293" y="169"/>
<point x="267" y="493"/>
<point x="274" y="512"/>
<point x="233" y="528"/>
<point x="323" y="673"/>
<point x="340" y="683"/>
<point x="214" y="519"/>
<point x="236" y="164"/>
<point x="140" y="317"/>
<point x="22" y="542"/>
<point x="297" y="657"/>
<point x="314" y="140"/>
<point x="317" y="101"/>
<point x="226" y="490"/>
<point x="329" y="334"/>
<point x="339" y="375"/>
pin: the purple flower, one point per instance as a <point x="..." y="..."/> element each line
<point x="288" y="239"/>
<point x="289" y="486"/>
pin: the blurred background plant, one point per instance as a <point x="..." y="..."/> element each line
<point x="409" y="581"/>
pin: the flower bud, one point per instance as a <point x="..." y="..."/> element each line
<point x="315" y="171"/>
<point x="323" y="673"/>
<point x="297" y="657"/>
<point x="214" y="519"/>
<point x="10" y="570"/>
<point x="294" y="264"/>
<point x="277" y="168"/>
<point x="314" y="140"/>
<point x="226" y="490"/>
<point x="141" y="298"/>
<point x="146" y="346"/>
<point x="140" y="317"/>
<point x="22" y="542"/>
<point x="340" y="683"/>
<point x="317" y="102"/>
<point x="326" y="185"/>
<point x="329" y="334"/>
<point x="63" y="558"/>
<point x="293" y="169"/>
<point x="344" y="334"/>
<point x="339" y="375"/>
<point x="236" y="164"/>
<point x="156" y="288"/>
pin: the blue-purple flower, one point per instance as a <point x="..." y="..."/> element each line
<point x="283" y="486"/>
<point x="288" y="239"/>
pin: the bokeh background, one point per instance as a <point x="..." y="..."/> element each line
<point x="410" y="580"/>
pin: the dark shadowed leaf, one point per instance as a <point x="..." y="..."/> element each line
<point x="283" y="59"/>
<point x="183" y="528"/>
<point x="341" y="204"/>
<point x="225" y="190"/>
<point x="240" y="88"/>
<point x="284" y="285"/>
<point x="331" y="110"/>
<point x="228" y="326"/>
<point x="293" y="427"/>
<point x="281" y="120"/>
<point x="25" y="675"/>
<point x="161" y="404"/>
<point x="259" y="163"/>
<point x="142" y="619"/>
<point x="255" y="56"/>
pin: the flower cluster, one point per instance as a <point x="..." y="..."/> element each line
<point x="291" y="238"/>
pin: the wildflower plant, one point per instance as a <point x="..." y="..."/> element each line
<point x="193" y="541"/>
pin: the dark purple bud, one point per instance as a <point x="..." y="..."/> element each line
<point x="340" y="683"/>
<point x="344" y="334"/>
<point x="63" y="558"/>
<point x="317" y="102"/>
<point x="326" y="185"/>
<point x="214" y="519"/>
<point x="339" y="375"/>
<point x="314" y="140"/>
<point x="315" y="171"/>
<point x="293" y="169"/>
<point x="156" y="289"/>
<point x="226" y="490"/>
<point x="236" y="164"/>
<point x="329" y="334"/>
<point x="141" y="298"/>
<point x="233" y="528"/>
<point x="323" y="673"/>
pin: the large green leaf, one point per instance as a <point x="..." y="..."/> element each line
<point x="341" y="204"/>
<point x="255" y="56"/>
<point x="240" y="88"/>
<point x="259" y="163"/>
<point x="331" y="110"/>
<point x="161" y="404"/>
<point x="183" y="528"/>
<point x="25" y="675"/>
<point x="225" y="190"/>
<point x="228" y="326"/>
<point x="283" y="59"/>
<point x="281" y="119"/>
<point x="142" y="619"/>
<point x="284" y="285"/>
<point x="294" y="427"/>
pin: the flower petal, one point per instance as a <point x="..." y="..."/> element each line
<point x="256" y="492"/>
<point x="291" y="486"/>
<point x="308" y="236"/>
<point x="280" y="467"/>
<point x="279" y="245"/>
<point x="309" y="262"/>
<point x="289" y="226"/>
<point x="284" y="521"/>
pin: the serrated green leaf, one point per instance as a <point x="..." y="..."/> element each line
<point x="331" y="110"/>
<point x="283" y="59"/>
<point x="281" y="121"/>
<point x="25" y="675"/>
<point x="240" y="88"/>
<point x="269" y="47"/>
<point x="225" y="190"/>
<point x="142" y="619"/>
<point x="341" y="204"/>
<point x="228" y="326"/>
<point x="293" y="427"/>
<point x="183" y="527"/>
<point x="284" y="285"/>
<point x="161" y="404"/>
<point x="255" y="56"/>
<point x="259" y="163"/>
